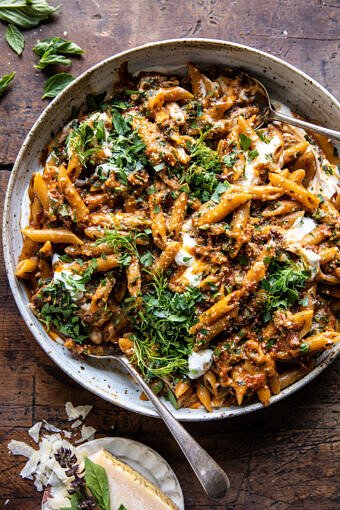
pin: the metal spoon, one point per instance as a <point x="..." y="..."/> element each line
<point x="268" y="113"/>
<point x="212" y="478"/>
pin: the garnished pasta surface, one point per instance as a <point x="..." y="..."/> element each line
<point x="167" y="224"/>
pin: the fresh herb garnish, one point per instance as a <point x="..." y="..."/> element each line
<point x="219" y="190"/>
<point x="55" y="84"/>
<point x="128" y="150"/>
<point x="253" y="154"/>
<point x="98" y="484"/>
<point x="124" y="245"/>
<point x="90" y="487"/>
<point x="52" y="50"/>
<point x="162" y="343"/>
<point x="15" y="39"/>
<point x="5" y="82"/>
<point x="56" y="305"/>
<point x="201" y="173"/>
<point x="245" y="142"/>
<point x="283" y="284"/>
<point x="263" y="137"/>
<point x="229" y="159"/>
<point x="304" y="347"/>
<point x="25" y="13"/>
<point x="146" y="259"/>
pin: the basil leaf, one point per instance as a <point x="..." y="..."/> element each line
<point x="26" y="14"/>
<point x="56" y="83"/>
<point x="52" y="49"/>
<point x="122" y="507"/>
<point x="5" y="81"/>
<point x="57" y="45"/>
<point x="48" y="59"/>
<point x="98" y="483"/>
<point x="15" y="39"/>
<point x="245" y="142"/>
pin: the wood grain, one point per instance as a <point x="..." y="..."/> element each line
<point x="279" y="458"/>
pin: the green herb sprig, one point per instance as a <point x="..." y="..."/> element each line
<point x="26" y="13"/>
<point x="52" y="50"/>
<point x="161" y="339"/>
<point x="283" y="285"/>
<point x="201" y="175"/>
<point x="5" y="82"/>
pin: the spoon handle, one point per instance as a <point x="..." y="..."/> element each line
<point x="330" y="133"/>
<point x="212" y="478"/>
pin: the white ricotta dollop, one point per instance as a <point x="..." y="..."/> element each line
<point x="199" y="362"/>
<point x="300" y="228"/>
<point x="69" y="281"/>
<point x="265" y="151"/>
<point x="184" y="257"/>
<point x="311" y="259"/>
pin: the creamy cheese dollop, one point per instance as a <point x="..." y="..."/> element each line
<point x="300" y="228"/>
<point x="199" y="362"/>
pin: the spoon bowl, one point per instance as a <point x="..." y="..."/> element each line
<point x="267" y="113"/>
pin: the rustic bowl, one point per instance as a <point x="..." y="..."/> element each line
<point x="284" y="82"/>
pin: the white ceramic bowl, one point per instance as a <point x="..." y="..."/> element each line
<point x="284" y="82"/>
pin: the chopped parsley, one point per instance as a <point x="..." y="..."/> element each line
<point x="162" y="343"/>
<point x="201" y="175"/>
<point x="245" y="142"/>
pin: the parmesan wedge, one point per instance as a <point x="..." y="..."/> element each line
<point x="129" y="488"/>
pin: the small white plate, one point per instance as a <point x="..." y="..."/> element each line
<point x="141" y="458"/>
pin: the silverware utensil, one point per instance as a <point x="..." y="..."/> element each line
<point x="212" y="478"/>
<point x="268" y="113"/>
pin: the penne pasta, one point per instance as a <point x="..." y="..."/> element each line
<point x="168" y="225"/>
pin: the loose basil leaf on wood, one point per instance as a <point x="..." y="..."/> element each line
<point x="5" y="81"/>
<point x="56" y="83"/>
<point x="98" y="483"/>
<point x="24" y="13"/>
<point x="57" y="45"/>
<point x="48" y="59"/>
<point x="15" y="39"/>
<point x="52" y="50"/>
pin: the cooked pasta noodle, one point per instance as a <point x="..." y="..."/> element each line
<point x="168" y="225"/>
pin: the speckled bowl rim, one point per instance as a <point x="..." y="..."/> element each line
<point x="325" y="360"/>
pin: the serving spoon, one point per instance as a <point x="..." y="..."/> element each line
<point x="210" y="475"/>
<point x="268" y="113"/>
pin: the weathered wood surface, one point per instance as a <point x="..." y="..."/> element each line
<point x="281" y="458"/>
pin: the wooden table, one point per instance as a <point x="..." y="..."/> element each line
<point x="280" y="458"/>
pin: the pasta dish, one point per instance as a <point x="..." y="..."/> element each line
<point x="167" y="223"/>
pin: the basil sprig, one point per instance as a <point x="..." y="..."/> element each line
<point x="24" y="13"/>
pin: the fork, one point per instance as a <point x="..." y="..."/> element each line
<point x="210" y="475"/>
